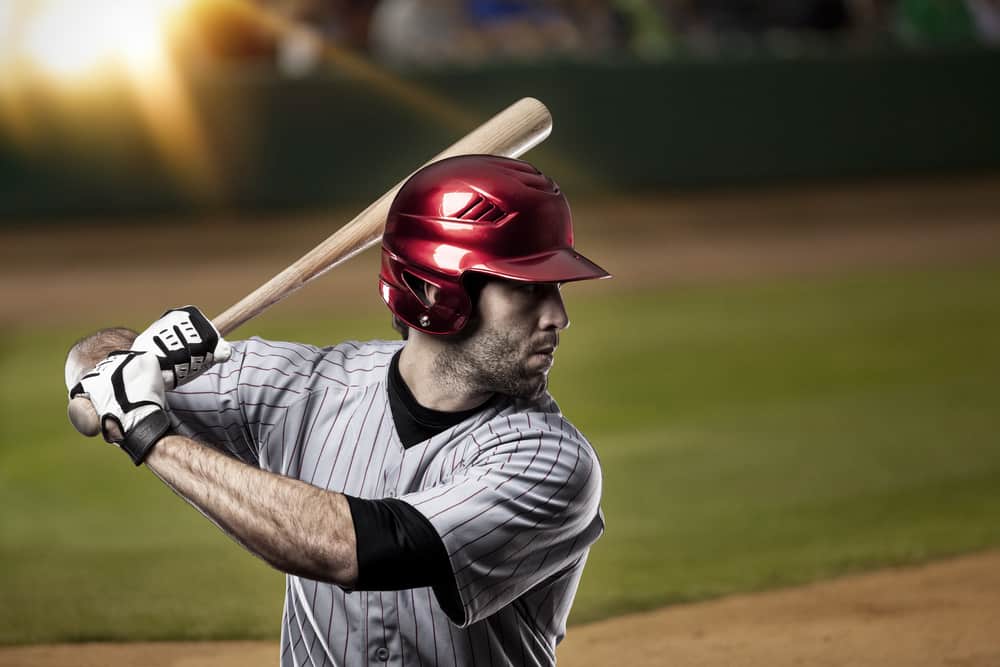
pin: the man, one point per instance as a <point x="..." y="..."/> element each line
<point x="427" y="499"/>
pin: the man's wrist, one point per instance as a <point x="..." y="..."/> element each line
<point x="144" y="436"/>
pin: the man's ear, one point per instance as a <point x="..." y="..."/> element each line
<point x="430" y="293"/>
<point x="423" y="290"/>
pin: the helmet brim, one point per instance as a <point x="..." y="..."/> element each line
<point x="558" y="266"/>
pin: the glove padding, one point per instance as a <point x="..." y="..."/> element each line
<point x="127" y="392"/>
<point x="185" y="343"/>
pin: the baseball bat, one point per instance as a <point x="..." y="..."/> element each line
<point x="510" y="133"/>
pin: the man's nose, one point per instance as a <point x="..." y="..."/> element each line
<point x="553" y="310"/>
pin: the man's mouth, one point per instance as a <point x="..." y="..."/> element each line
<point x="545" y="357"/>
<point x="547" y="346"/>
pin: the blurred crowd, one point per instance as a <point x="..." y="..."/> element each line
<point x="296" y="35"/>
<point x="435" y="32"/>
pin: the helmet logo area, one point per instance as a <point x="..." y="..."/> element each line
<point x="470" y="207"/>
<point x="453" y="203"/>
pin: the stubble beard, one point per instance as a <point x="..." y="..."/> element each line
<point x="491" y="361"/>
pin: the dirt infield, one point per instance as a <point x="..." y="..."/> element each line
<point x="943" y="613"/>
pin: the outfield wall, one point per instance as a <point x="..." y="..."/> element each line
<point x="279" y="143"/>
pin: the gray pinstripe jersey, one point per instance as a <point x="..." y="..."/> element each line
<point x="513" y="491"/>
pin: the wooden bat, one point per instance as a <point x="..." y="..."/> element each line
<point x="510" y="133"/>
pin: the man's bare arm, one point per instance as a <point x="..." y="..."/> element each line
<point x="295" y="527"/>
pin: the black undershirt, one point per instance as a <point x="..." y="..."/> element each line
<point x="414" y="422"/>
<point x="397" y="547"/>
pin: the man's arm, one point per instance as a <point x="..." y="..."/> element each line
<point x="297" y="528"/>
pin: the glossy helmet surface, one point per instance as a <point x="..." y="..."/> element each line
<point x="481" y="213"/>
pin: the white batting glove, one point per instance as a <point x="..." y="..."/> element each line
<point x="127" y="392"/>
<point x="185" y="343"/>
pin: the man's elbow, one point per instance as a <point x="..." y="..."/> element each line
<point x="331" y="566"/>
<point x="325" y="548"/>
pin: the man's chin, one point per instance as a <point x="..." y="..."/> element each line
<point x="535" y="389"/>
<point x="538" y="394"/>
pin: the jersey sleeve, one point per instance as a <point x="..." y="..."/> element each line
<point x="524" y="508"/>
<point x="232" y="406"/>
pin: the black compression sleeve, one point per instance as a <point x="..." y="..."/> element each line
<point x="398" y="548"/>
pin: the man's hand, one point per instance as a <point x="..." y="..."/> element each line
<point x="185" y="343"/>
<point x="127" y="391"/>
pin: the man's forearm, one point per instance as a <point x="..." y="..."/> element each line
<point x="295" y="527"/>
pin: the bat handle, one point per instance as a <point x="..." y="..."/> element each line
<point x="83" y="416"/>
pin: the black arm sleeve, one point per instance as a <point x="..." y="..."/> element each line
<point x="398" y="548"/>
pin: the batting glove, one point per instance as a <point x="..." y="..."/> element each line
<point x="127" y="392"/>
<point x="185" y="343"/>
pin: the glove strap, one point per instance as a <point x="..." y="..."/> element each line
<point x="144" y="435"/>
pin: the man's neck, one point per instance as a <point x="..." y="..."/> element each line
<point x="420" y="370"/>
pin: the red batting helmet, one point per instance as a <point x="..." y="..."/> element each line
<point x="480" y="213"/>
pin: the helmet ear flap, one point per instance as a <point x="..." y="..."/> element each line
<point x="451" y="310"/>
<point x="446" y="315"/>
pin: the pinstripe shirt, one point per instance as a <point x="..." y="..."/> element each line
<point x="513" y="491"/>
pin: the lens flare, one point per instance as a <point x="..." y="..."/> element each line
<point x="68" y="39"/>
<point x="77" y="52"/>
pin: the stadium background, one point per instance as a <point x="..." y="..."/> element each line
<point x="792" y="377"/>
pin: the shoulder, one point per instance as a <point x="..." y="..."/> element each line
<point x="539" y="418"/>
<point x="357" y="362"/>
<point x="350" y="363"/>
<point x="534" y="442"/>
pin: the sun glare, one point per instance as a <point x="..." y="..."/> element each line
<point x="68" y="39"/>
<point x="69" y="58"/>
<point x="75" y="51"/>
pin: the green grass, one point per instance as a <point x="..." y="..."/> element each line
<point x="752" y="436"/>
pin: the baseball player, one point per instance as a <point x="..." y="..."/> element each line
<point x="426" y="498"/>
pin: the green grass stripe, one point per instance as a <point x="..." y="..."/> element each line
<point x="752" y="436"/>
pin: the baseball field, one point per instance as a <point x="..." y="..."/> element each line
<point x="787" y="388"/>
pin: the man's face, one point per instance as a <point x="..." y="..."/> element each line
<point x="508" y="348"/>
